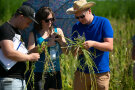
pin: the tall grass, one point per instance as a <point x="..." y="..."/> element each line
<point x="121" y="15"/>
<point x="70" y="62"/>
<point x="114" y="8"/>
<point x="120" y="59"/>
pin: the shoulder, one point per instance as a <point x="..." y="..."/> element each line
<point x="5" y="27"/>
<point x="77" y="24"/>
<point x="103" y="19"/>
<point x="100" y="17"/>
<point x="59" y="30"/>
<point x="6" y="32"/>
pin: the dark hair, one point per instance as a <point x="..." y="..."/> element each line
<point x="42" y="14"/>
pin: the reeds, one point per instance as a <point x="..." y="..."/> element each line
<point x="122" y="18"/>
<point x="70" y="62"/>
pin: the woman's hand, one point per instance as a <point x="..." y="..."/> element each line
<point x="57" y="37"/>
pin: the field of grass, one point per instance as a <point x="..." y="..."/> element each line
<point x="120" y="59"/>
<point x="114" y="8"/>
<point x="121" y="15"/>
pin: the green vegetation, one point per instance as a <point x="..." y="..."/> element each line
<point x="114" y="8"/>
<point x="69" y="62"/>
<point x="7" y="8"/>
<point x="121" y="15"/>
<point x="120" y="59"/>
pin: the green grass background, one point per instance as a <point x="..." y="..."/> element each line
<point x="121" y="14"/>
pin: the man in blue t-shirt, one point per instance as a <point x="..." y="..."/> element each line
<point x="99" y="38"/>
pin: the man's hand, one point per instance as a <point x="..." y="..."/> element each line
<point x="34" y="56"/>
<point x="88" y="44"/>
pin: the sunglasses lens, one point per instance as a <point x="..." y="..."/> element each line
<point x="46" y="20"/>
<point x="50" y="19"/>
<point x="77" y="17"/>
<point x="80" y="17"/>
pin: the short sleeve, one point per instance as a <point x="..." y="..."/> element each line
<point x="6" y="33"/>
<point x="107" y="29"/>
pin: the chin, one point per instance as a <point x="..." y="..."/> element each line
<point x="83" y="22"/>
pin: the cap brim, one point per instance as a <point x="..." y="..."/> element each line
<point x="33" y="20"/>
<point x="88" y="5"/>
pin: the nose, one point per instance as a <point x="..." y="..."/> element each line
<point x="50" y="21"/>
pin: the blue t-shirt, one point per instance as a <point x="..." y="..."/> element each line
<point x="99" y="29"/>
<point x="54" y="65"/>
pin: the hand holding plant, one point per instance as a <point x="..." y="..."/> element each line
<point x="58" y="38"/>
<point x="34" y="56"/>
<point x="88" y="44"/>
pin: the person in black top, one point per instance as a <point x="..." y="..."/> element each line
<point x="13" y="79"/>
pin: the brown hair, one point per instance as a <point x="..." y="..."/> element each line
<point x="42" y="14"/>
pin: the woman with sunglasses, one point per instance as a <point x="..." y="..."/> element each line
<point x="44" y="31"/>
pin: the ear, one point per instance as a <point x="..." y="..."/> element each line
<point x="90" y="10"/>
<point x="21" y="15"/>
<point x="19" y="18"/>
<point x="42" y="21"/>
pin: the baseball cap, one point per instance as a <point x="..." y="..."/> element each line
<point x="27" y="11"/>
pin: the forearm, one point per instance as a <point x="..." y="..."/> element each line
<point x="103" y="46"/>
<point x="17" y="56"/>
<point x="9" y="52"/>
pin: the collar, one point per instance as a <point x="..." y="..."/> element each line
<point x="94" y="19"/>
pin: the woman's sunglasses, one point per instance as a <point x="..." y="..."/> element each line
<point x="50" y="19"/>
<point x="82" y="16"/>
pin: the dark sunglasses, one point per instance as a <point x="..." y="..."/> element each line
<point x="82" y="16"/>
<point x="50" y="19"/>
